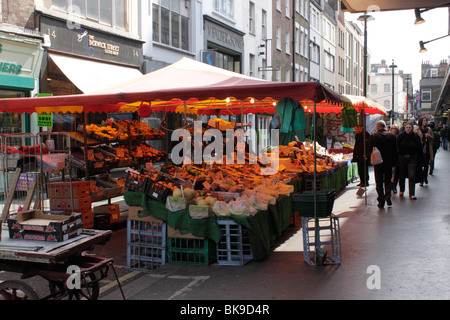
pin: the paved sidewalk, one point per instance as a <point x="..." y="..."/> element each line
<point x="405" y="247"/>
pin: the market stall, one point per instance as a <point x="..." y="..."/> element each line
<point x="189" y="87"/>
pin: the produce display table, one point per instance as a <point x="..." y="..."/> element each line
<point x="264" y="227"/>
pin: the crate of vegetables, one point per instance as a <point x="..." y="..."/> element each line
<point x="158" y="190"/>
<point x="94" y="159"/>
<point x="136" y="182"/>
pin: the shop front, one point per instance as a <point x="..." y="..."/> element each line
<point x="224" y="45"/>
<point x="20" y="63"/>
<point x="83" y="60"/>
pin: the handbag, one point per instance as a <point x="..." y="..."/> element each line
<point x="375" y="157"/>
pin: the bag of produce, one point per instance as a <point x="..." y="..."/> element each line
<point x="221" y="208"/>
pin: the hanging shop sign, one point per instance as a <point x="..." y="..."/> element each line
<point x="223" y="35"/>
<point x="45" y="120"/>
<point x="9" y="67"/>
<point x="89" y="43"/>
<point x="20" y="62"/>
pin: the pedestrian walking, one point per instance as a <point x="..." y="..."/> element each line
<point x="436" y="144"/>
<point x="361" y="154"/>
<point x="409" y="151"/>
<point x="426" y="138"/>
<point x="386" y="142"/>
<point x="395" y="169"/>
<point x="444" y="137"/>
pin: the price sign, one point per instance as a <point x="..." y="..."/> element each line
<point x="149" y="166"/>
<point x="45" y="120"/>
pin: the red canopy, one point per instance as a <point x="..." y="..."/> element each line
<point x="184" y="80"/>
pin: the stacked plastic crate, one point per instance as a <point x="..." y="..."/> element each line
<point x="234" y="248"/>
<point x="321" y="240"/>
<point x="146" y="241"/>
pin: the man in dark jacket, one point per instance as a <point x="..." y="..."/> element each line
<point x="444" y="136"/>
<point x="436" y="144"/>
<point x="387" y="144"/>
<point x="362" y="140"/>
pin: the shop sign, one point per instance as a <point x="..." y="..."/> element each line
<point x="92" y="43"/>
<point x="45" y="120"/>
<point x="223" y="35"/>
<point x="25" y="181"/>
<point x="8" y="67"/>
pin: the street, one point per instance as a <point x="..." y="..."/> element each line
<point x="406" y="246"/>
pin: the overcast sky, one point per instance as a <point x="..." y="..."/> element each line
<point x="393" y="35"/>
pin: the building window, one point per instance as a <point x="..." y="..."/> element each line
<point x="373" y="88"/>
<point x="170" y="24"/>
<point x="264" y="25"/>
<point x="288" y="76"/>
<point x="387" y="87"/>
<point x="288" y="9"/>
<point x="387" y="103"/>
<point x="108" y="12"/>
<point x="287" y="42"/>
<point x="278" y="38"/>
<point x="225" y="7"/>
<point x="251" y="18"/>
<point x="252" y="65"/>
<point x="278" y="5"/>
<point x="434" y="73"/>
<point x="329" y="61"/>
<point x="425" y="95"/>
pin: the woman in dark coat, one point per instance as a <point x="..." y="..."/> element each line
<point x="362" y="158"/>
<point x="426" y="138"/>
<point x="409" y="151"/>
<point x="394" y="130"/>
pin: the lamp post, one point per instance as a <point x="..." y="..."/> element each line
<point x="365" y="17"/>
<point x="408" y="78"/>
<point x="393" y="66"/>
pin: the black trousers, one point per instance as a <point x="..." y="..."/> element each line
<point x="383" y="175"/>
<point x="408" y="170"/>
<point x="432" y="161"/>
<point x="363" y="170"/>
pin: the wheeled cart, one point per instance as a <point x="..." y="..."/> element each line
<point x="70" y="273"/>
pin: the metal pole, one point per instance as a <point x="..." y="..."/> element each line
<point x="393" y="66"/>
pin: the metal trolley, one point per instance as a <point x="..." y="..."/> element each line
<point x="53" y="262"/>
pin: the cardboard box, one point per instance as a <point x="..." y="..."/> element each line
<point x="42" y="236"/>
<point x="175" y="233"/>
<point x="139" y="214"/>
<point x="113" y="210"/>
<point x="35" y="225"/>
<point x="66" y="204"/>
<point x="88" y="219"/>
<point x="35" y="220"/>
<point x="61" y="190"/>
<point x="200" y="212"/>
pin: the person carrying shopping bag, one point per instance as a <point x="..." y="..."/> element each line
<point x="409" y="151"/>
<point x="386" y="143"/>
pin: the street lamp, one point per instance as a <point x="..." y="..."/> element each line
<point x="408" y="78"/>
<point x="423" y="43"/>
<point x="393" y="66"/>
<point x="365" y="17"/>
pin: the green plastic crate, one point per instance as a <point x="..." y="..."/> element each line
<point x="198" y="252"/>
<point x="304" y="203"/>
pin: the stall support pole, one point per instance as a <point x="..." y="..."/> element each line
<point x="316" y="220"/>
